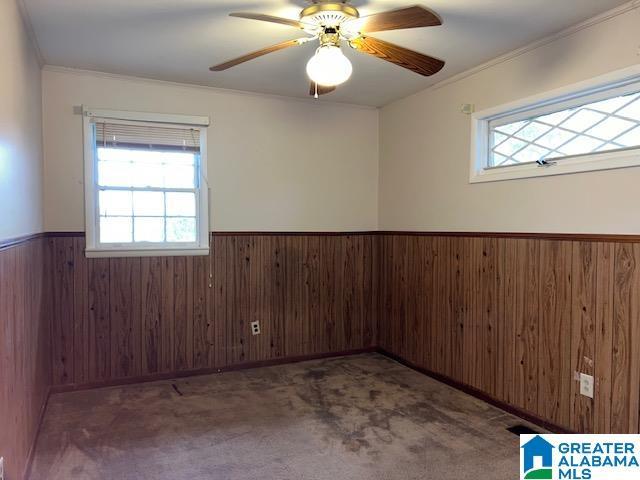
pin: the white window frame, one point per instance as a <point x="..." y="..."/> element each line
<point x="95" y="249"/>
<point x="609" y="85"/>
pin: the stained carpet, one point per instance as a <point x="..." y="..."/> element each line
<point x="359" y="417"/>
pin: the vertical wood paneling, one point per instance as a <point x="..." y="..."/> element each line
<point x="604" y="338"/>
<point x="276" y="301"/>
<point x="412" y="301"/>
<point x="259" y="253"/>
<point x="335" y="263"/>
<point x="369" y="290"/>
<point x="124" y="301"/>
<point x="151" y="311"/>
<point x="385" y="285"/>
<point x="514" y="318"/>
<point x="238" y="268"/>
<point x="517" y="318"/>
<point x="167" y="315"/>
<point x="554" y="348"/>
<point x="219" y="301"/>
<point x="311" y="294"/>
<point x="183" y="312"/>
<point x="625" y="366"/>
<point x="510" y="322"/>
<point x="201" y="323"/>
<point x="330" y="294"/>
<point x="352" y="288"/>
<point x="124" y="317"/>
<point x="26" y="317"/>
<point x="399" y="297"/>
<point x="492" y="304"/>
<point x="441" y="313"/>
<point x="81" y="372"/>
<point x="421" y="305"/>
<point x="298" y="338"/>
<point x="527" y="324"/>
<point x="426" y="300"/>
<point x="473" y="363"/>
<point x="99" y="320"/>
<point x="459" y="307"/>
<point x="583" y="329"/>
<point x="62" y="327"/>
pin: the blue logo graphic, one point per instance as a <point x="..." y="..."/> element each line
<point x="538" y="447"/>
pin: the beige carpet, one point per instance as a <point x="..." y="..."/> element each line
<point x="361" y="417"/>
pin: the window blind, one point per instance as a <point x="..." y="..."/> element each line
<point x="140" y="136"/>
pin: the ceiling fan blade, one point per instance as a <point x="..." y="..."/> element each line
<point x="403" y="57"/>
<point x="256" y="54"/>
<point x="322" y="90"/>
<point x="410" y="17"/>
<point x="269" y="18"/>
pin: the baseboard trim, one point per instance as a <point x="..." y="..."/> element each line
<point x="479" y="394"/>
<point x="32" y="450"/>
<point x="206" y="371"/>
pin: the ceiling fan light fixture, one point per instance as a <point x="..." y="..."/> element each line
<point x="329" y="66"/>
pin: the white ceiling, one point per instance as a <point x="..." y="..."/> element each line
<point x="179" y="40"/>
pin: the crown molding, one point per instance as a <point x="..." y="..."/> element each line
<point x="195" y="86"/>
<point x="28" y="25"/>
<point x="601" y="18"/>
<point x="591" y="22"/>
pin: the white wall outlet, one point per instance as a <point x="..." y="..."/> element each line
<point x="255" y="328"/>
<point x="586" y="385"/>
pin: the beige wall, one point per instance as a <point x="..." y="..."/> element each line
<point x="425" y="145"/>
<point x="286" y="164"/>
<point x="274" y="164"/>
<point x="20" y="128"/>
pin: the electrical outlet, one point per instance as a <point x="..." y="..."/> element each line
<point x="255" y="328"/>
<point x="586" y="385"/>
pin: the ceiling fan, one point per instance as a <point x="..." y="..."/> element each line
<point x="334" y="22"/>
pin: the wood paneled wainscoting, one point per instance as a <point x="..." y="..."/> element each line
<point x="127" y="318"/>
<point x="516" y="318"/>
<point x="24" y="355"/>
<point x="510" y="317"/>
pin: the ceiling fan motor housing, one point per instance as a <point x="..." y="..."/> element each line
<point x="328" y="14"/>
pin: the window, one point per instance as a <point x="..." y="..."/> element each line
<point x="145" y="185"/>
<point x="594" y="125"/>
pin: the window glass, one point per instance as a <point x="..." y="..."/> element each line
<point x="146" y="195"/>
<point x="604" y="125"/>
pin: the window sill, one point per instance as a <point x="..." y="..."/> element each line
<point x="146" y="252"/>
<point x="563" y="166"/>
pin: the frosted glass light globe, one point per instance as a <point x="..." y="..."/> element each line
<point x="329" y="67"/>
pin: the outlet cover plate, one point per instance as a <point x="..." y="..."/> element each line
<point x="586" y="385"/>
<point x="255" y="328"/>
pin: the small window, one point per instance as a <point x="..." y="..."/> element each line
<point x="582" y="128"/>
<point x="146" y="191"/>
